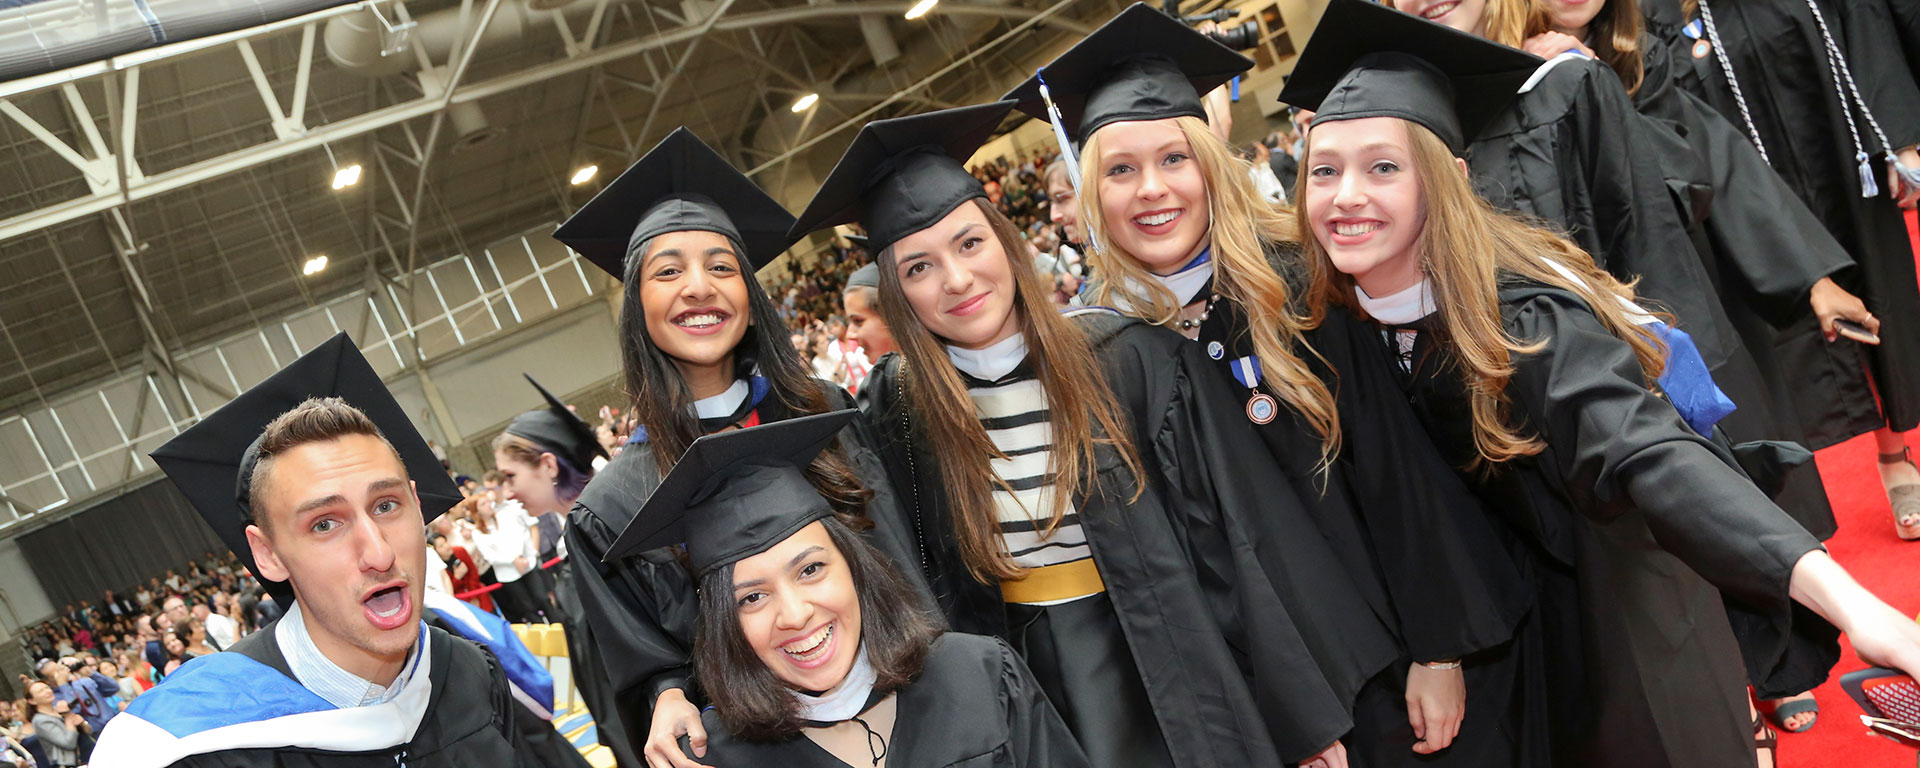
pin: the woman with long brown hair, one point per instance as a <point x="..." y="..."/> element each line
<point x="1183" y="240"/>
<point x="704" y="350"/>
<point x="1542" y="380"/>
<point x="1079" y="493"/>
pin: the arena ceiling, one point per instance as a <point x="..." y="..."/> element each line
<point x="151" y="202"/>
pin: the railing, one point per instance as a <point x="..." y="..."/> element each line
<point x="86" y="443"/>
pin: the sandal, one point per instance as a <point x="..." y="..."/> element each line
<point x="1905" y="498"/>
<point x="1781" y="710"/>
<point x="1766" y="744"/>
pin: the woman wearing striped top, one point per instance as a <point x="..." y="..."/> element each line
<point x="1074" y="493"/>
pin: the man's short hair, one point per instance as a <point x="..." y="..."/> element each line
<point x="317" y="420"/>
<point x="435" y="538"/>
<point x="494" y="477"/>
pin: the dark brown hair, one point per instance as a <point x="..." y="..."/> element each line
<point x="317" y="420"/>
<point x="664" y="405"/>
<point x="1083" y="411"/>
<point x="897" y="629"/>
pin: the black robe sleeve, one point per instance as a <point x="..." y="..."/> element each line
<point x="641" y="610"/>
<point x="1454" y="587"/>
<point x="1616" y="446"/>
<point x="1869" y="41"/>
<point x="1036" y="735"/>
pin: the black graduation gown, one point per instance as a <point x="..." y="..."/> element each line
<point x="1251" y="644"/>
<point x="1764" y="250"/>
<point x="538" y="744"/>
<point x="1574" y="151"/>
<point x="466" y="724"/>
<point x="1777" y="53"/>
<point x="640" y="612"/>
<point x="1393" y="511"/>
<point x="1632" y="528"/>
<point x="973" y="705"/>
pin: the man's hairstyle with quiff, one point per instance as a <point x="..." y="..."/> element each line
<point x="317" y="420"/>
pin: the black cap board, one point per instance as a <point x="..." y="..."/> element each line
<point x="558" y="431"/>
<point x="212" y="462"/>
<point x="1142" y="65"/>
<point x="865" y="277"/>
<point x="680" y="185"/>
<point x="733" y="494"/>
<point x="1368" y="60"/>
<point x="905" y="174"/>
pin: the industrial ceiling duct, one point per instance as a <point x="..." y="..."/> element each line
<point x="41" y="36"/>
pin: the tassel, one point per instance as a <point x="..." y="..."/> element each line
<point x="1868" y="187"/>
<point x="1066" y="149"/>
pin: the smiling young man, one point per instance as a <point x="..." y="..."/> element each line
<point x="321" y="485"/>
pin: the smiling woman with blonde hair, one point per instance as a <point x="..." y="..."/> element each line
<point x="1574" y="412"/>
<point x="1183" y="240"/>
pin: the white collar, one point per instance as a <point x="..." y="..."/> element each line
<point x="997" y="360"/>
<point x="326" y="679"/>
<point x="846" y="701"/>
<point x="1400" y="307"/>
<point x="724" y="404"/>
<point x="1184" y="284"/>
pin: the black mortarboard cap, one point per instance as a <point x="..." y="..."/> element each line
<point x="1368" y="60"/>
<point x="558" y="431"/>
<point x="867" y="276"/>
<point x="1142" y="65"/>
<point x="734" y="494"/>
<point x="905" y="174"/>
<point x="212" y="462"/>
<point x="680" y="185"/>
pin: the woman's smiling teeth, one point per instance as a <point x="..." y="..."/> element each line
<point x="700" y="320"/>
<point x="1440" y="10"/>
<point x="1156" y="219"/>
<point x="1351" y="228"/>
<point x="809" y="648"/>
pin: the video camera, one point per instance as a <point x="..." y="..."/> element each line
<point x="1240" y="38"/>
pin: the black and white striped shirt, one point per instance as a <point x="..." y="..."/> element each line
<point x="1014" y="412"/>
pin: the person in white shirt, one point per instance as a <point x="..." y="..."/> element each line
<point x="503" y="533"/>
<point x="221" y="631"/>
<point x="1264" y="179"/>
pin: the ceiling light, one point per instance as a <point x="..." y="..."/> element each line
<point x="920" y="9"/>
<point x="315" y="264"/>
<point x="585" y="174"/>
<point x="805" y="101"/>
<point x="346" y="177"/>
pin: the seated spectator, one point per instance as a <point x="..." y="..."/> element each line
<point x="222" y="632"/>
<point x="79" y="683"/>
<point x="461" y="571"/>
<point x="57" y="729"/>
<point x="193" y="637"/>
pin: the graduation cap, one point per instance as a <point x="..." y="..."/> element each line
<point x="1367" y="60"/>
<point x="1142" y="65"/>
<point x="680" y="185"/>
<point x="903" y="175"/>
<point x="864" y="277"/>
<point x="558" y="430"/>
<point x="212" y="462"/>
<point x="734" y="494"/>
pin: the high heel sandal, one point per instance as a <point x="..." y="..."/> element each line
<point x="1905" y="498"/>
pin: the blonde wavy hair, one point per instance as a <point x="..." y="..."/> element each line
<point x="1466" y="249"/>
<point x="1240" y="224"/>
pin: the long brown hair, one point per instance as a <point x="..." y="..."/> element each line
<point x="1464" y="250"/>
<point x="1084" y="414"/>
<point x="1614" y="36"/>
<point x="897" y="629"/>
<point x="1241" y="224"/>
<point x="664" y="405"/>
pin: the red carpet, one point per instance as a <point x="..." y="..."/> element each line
<point x="1867" y="546"/>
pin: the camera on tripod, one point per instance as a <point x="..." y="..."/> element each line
<point x="1241" y="37"/>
